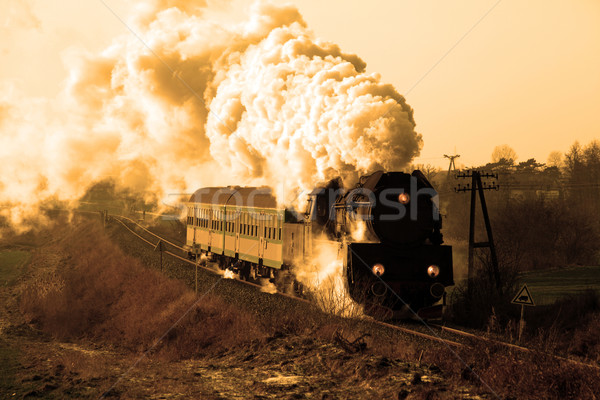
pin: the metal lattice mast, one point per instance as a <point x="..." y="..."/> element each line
<point x="452" y="166"/>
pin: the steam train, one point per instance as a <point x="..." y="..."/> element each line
<point x="386" y="230"/>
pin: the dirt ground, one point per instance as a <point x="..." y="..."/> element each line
<point x="293" y="368"/>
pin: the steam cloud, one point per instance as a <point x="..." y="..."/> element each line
<point x="252" y="103"/>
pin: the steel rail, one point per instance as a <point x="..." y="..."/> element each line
<point x="152" y="233"/>
<point x="419" y="334"/>
<point x="381" y="323"/>
<point x="116" y="217"/>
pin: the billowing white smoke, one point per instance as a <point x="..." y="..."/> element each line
<point x="300" y="111"/>
<point x="323" y="278"/>
<point x="261" y="102"/>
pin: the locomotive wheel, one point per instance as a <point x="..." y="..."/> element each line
<point x="284" y="282"/>
<point x="298" y="288"/>
<point x="245" y="271"/>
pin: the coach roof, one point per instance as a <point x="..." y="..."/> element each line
<point x="261" y="197"/>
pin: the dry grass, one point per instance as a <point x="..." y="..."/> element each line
<point x="83" y="364"/>
<point x="103" y="295"/>
<point x="519" y="375"/>
<point x="585" y="342"/>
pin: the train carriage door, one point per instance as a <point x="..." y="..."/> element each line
<point x="222" y="227"/>
<point x="261" y="234"/>
<point x="195" y="224"/>
<point x="238" y="224"/>
<point x="210" y="227"/>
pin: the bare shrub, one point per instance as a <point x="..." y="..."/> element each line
<point x="516" y="374"/>
<point x="537" y="233"/>
<point x="484" y="305"/>
<point x="569" y="326"/>
<point x="211" y="327"/>
<point x="332" y="297"/>
<point x="102" y="294"/>
<point x="568" y="313"/>
<point x="585" y="341"/>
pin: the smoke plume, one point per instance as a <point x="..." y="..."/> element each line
<point x="196" y="102"/>
<point x="324" y="279"/>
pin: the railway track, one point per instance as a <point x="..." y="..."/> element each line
<point x="120" y="218"/>
<point x="157" y="238"/>
<point x="459" y="338"/>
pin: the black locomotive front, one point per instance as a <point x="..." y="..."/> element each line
<point x="395" y="260"/>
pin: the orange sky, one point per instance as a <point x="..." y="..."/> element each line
<point x="527" y="74"/>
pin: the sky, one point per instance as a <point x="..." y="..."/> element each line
<point x="477" y="73"/>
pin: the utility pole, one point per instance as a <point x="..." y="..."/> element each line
<point x="452" y="166"/>
<point x="477" y="186"/>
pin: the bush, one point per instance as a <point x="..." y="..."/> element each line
<point x="538" y="233"/>
<point x="569" y="326"/>
<point x="485" y="303"/>
<point x="102" y="294"/>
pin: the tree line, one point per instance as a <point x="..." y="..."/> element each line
<point x="544" y="215"/>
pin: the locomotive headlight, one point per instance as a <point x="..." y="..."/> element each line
<point x="433" y="271"/>
<point x="403" y="198"/>
<point x="378" y="269"/>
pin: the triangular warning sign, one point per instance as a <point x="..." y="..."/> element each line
<point x="523" y="297"/>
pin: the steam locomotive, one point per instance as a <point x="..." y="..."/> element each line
<point x="386" y="230"/>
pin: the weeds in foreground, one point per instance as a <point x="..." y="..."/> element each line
<point x="519" y="375"/>
<point x="102" y="294"/>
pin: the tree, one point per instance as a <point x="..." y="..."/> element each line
<point x="574" y="159"/>
<point x="591" y="156"/>
<point x="555" y="159"/>
<point x="583" y="171"/>
<point x="428" y="170"/>
<point x="529" y="166"/>
<point x="504" y="152"/>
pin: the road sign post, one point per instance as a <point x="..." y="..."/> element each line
<point x="523" y="298"/>
<point x="522" y="322"/>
